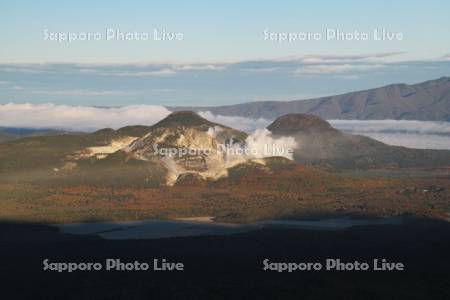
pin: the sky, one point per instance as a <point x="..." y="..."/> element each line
<point x="214" y="53"/>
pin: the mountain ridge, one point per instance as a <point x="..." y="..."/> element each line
<point x="425" y="101"/>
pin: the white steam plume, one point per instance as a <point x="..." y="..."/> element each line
<point x="263" y="144"/>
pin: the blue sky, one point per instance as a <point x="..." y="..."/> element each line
<point x="223" y="57"/>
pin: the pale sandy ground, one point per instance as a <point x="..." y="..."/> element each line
<point x="102" y="151"/>
<point x="198" y="219"/>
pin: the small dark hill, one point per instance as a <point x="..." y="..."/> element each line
<point x="183" y="118"/>
<point x="295" y="123"/>
<point x="321" y="144"/>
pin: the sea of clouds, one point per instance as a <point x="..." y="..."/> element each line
<point x="413" y="134"/>
<point x="78" y="118"/>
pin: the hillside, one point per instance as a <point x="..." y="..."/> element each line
<point x="46" y="152"/>
<point x="10" y="133"/>
<point x="117" y="175"/>
<point x="321" y="144"/>
<point x="187" y="144"/>
<point x="428" y="100"/>
<point x="144" y="153"/>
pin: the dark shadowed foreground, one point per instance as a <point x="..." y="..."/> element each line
<point x="230" y="267"/>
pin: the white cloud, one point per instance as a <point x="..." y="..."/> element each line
<point x="409" y="140"/>
<point x="387" y="126"/>
<point x="162" y="72"/>
<point x="78" y="117"/>
<point x="200" y="67"/>
<point x="240" y="123"/>
<point x="334" y="68"/>
<point x="343" y="59"/>
<point x="411" y="134"/>
<point x="84" y="93"/>
<point x="71" y="92"/>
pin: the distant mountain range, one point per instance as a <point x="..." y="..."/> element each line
<point x="426" y="101"/>
<point x="9" y="133"/>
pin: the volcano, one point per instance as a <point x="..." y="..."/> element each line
<point x="321" y="144"/>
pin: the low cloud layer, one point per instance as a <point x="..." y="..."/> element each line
<point x="412" y="134"/>
<point x="87" y="118"/>
<point x="75" y="118"/>
<point x="240" y="123"/>
<point x="392" y="126"/>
